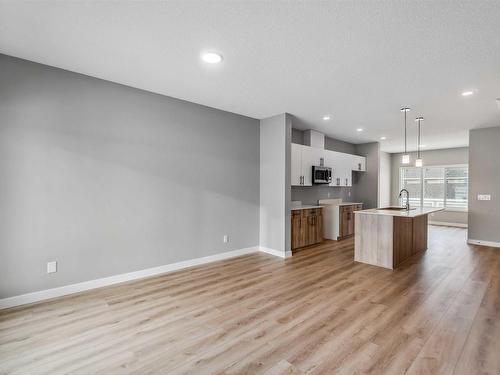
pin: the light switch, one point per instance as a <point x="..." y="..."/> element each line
<point x="51" y="267"/>
<point x="484" y="197"/>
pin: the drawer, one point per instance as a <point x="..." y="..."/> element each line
<point x="311" y="212"/>
<point x="359" y="207"/>
<point x="347" y="208"/>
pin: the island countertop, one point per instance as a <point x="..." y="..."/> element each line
<point x="413" y="212"/>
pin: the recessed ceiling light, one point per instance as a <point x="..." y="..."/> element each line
<point x="383" y="138"/>
<point x="359" y="130"/>
<point x="468" y="93"/>
<point x="423" y="145"/>
<point x="326" y="118"/>
<point x="211" y="57"/>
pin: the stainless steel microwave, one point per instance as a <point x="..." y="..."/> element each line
<point x="321" y="175"/>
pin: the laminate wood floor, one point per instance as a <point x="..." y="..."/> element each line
<point x="318" y="312"/>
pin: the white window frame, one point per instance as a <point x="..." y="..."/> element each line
<point x="422" y="183"/>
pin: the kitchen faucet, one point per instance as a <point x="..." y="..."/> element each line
<point x="407" y="205"/>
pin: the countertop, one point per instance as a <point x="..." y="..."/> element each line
<point x="306" y="207"/>
<point x="336" y="202"/>
<point x="417" y="211"/>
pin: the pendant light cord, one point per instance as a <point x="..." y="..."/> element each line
<point x="418" y="145"/>
<point x="405" y="131"/>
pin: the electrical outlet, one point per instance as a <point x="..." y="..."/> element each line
<point x="348" y="193"/>
<point x="225" y="238"/>
<point x="484" y="197"/>
<point x="329" y="194"/>
<point x="51" y="267"/>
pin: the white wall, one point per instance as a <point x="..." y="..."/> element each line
<point x="275" y="193"/>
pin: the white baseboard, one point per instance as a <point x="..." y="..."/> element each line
<point x="447" y="224"/>
<point x="483" y="243"/>
<point x="99" y="283"/>
<point x="276" y="253"/>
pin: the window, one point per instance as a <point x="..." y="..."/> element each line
<point x="411" y="180"/>
<point x="433" y="194"/>
<point x="436" y="186"/>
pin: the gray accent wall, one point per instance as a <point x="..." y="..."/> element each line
<point x="448" y="156"/>
<point x="484" y="178"/>
<point x="366" y="184"/>
<point x="340" y="146"/>
<point x="275" y="195"/>
<point x="297" y="136"/>
<point x="331" y="144"/>
<point x="106" y="179"/>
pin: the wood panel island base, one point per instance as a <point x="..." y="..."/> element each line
<point x="387" y="237"/>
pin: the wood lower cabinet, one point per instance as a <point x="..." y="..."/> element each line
<point x="307" y="227"/>
<point x="409" y="237"/>
<point x="346" y="220"/>
<point x="298" y="235"/>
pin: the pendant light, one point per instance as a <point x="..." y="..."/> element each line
<point x="419" y="161"/>
<point x="406" y="157"/>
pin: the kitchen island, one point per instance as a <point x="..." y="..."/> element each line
<point x="386" y="237"/>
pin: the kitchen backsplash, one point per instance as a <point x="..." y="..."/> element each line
<point x="311" y="194"/>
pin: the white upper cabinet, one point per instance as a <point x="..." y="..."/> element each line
<point x="305" y="157"/>
<point x="310" y="157"/>
<point x="296" y="164"/>
<point x="302" y="160"/>
<point x="341" y="174"/>
<point x="358" y="163"/>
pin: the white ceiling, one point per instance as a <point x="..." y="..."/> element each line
<point x="358" y="61"/>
